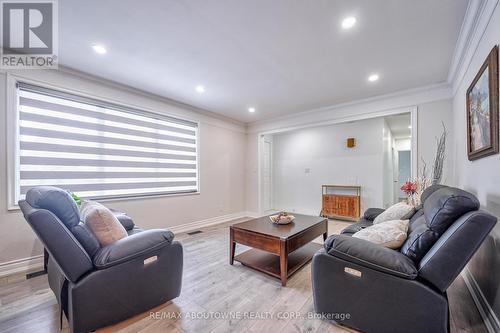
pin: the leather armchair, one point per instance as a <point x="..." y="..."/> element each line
<point x="99" y="286"/>
<point x="383" y="290"/>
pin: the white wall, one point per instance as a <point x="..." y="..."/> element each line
<point x="432" y="105"/>
<point x="481" y="177"/>
<point x="430" y="119"/>
<point x="387" y="166"/>
<point x="222" y="167"/>
<point x="402" y="144"/>
<point x="322" y="150"/>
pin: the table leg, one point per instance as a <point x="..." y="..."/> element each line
<point x="325" y="235"/>
<point x="232" y="246"/>
<point x="283" y="262"/>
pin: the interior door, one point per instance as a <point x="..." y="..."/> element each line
<point x="267" y="180"/>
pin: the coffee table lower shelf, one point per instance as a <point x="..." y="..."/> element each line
<point x="269" y="263"/>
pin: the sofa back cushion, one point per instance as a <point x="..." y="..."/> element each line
<point x="57" y="201"/>
<point x="446" y="205"/>
<point x="440" y="210"/>
<point x="86" y="238"/>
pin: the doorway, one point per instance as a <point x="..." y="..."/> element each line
<point x="404" y="171"/>
<point x="267" y="173"/>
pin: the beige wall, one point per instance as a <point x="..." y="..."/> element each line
<point x="222" y="168"/>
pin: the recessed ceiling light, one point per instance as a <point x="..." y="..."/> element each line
<point x="373" y="77"/>
<point x="348" y="22"/>
<point x="200" y="89"/>
<point x="409" y="127"/>
<point x="251" y="110"/>
<point x="99" y="49"/>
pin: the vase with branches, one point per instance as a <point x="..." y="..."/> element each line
<point x="426" y="178"/>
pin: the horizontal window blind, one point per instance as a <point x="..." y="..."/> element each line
<point x="100" y="150"/>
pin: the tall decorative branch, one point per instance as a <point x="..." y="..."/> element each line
<point x="437" y="170"/>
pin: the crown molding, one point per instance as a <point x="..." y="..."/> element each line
<point x="198" y="114"/>
<point x="476" y="20"/>
<point x="233" y="123"/>
<point x="381" y="105"/>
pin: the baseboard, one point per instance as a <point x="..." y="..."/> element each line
<point x="209" y="222"/>
<point x="21" y="266"/>
<point x="489" y="317"/>
<point x="35" y="263"/>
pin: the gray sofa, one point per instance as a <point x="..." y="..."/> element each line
<point x="99" y="286"/>
<point x="376" y="289"/>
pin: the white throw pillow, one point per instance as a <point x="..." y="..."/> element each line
<point x="391" y="234"/>
<point x="399" y="211"/>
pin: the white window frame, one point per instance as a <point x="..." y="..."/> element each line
<point x="13" y="146"/>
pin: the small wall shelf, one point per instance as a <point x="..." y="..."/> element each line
<point x="341" y="202"/>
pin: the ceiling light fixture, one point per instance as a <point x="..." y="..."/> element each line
<point x="251" y="110"/>
<point x="200" y="89"/>
<point x="409" y="127"/>
<point x="99" y="49"/>
<point x="373" y="77"/>
<point x="348" y="22"/>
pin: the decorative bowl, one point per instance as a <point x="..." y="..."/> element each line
<point x="282" y="218"/>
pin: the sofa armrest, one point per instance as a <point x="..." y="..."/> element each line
<point x="143" y="244"/>
<point x="372" y="213"/>
<point x="371" y="255"/>
<point x="124" y="219"/>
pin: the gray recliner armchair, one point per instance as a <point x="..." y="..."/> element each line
<point x="99" y="286"/>
<point x="376" y="289"/>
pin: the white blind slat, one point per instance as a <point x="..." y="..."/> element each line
<point x="101" y="150"/>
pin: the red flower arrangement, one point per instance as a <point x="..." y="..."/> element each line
<point x="409" y="188"/>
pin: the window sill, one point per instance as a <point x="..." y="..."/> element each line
<point x="116" y="199"/>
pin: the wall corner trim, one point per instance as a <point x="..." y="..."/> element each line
<point x="476" y="20"/>
<point x="489" y="317"/>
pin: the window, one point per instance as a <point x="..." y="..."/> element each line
<point x="100" y="150"/>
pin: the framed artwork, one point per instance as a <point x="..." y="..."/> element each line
<point x="482" y="110"/>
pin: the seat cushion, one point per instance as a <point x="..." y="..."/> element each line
<point x="102" y="222"/>
<point x="134" y="231"/>
<point x="390" y="234"/>
<point x="399" y="211"/>
<point x="355" y="227"/>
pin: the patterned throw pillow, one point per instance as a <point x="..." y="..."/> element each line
<point x="391" y="234"/>
<point x="102" y="222"/>
<point x="399" y="211"/>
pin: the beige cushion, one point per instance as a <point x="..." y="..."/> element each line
<point x="399" y="211"/>
<point x="101" y="221"/>
<point x="391" y="234"/>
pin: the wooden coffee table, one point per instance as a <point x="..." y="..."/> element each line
<point x="278" y="250"/>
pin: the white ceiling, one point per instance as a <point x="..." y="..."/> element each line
<point x="280" y="56"/>
<point x="399" y="125"/>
